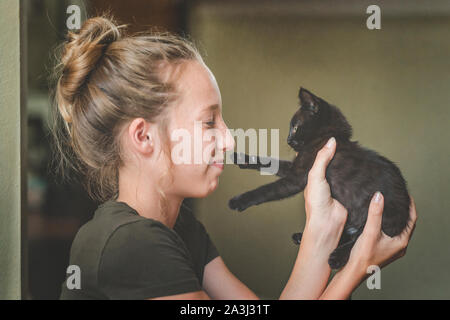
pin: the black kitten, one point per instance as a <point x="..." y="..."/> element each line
<point x="354" y="174"/>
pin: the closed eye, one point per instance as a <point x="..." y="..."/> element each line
<point x="210" y="123"/>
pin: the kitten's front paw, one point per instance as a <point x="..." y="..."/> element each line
<point x="237" y="203"/>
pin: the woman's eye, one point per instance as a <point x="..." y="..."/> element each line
<point x="211" y="123"/>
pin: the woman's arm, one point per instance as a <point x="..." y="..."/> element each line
<point x="220" y="284"/>
<point x="325" y="220"/>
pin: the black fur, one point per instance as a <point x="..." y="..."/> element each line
<point x="354" y="174"/>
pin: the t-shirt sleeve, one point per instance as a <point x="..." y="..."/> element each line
<point x="144" y="260"/>
<point x="196" y="238"/>
<point x="211" y="250"/>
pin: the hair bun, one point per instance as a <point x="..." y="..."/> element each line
<point x="80" y="56"/>
<point x="101" y="30"/>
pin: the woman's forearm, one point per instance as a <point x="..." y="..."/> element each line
<point x="310" y="273"/>
<point x="344" y="283"/>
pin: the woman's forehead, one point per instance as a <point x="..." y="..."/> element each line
<point x="199" y="89"/>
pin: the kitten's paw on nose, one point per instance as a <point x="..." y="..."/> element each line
<point x="244" y="161"/>
<point x="238" y="158"/>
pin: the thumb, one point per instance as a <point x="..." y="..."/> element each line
<point x="375" y="215"/>
<point x="323" y="157"/>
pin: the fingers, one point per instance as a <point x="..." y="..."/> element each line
<point x="411" y="224"/>
<point x="323" y="157"/>
<point x="375" y="215"/>
<point x="402" y="240"/>
<point x="412" y="212"/>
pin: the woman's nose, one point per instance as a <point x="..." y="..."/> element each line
<point x="228" y="141"/>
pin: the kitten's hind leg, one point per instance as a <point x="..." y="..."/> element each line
<point x="297" y="237"/>
<point x="339" y="257"/>
<point x="245" y="161"/>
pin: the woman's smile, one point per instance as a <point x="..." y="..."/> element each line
<point x="218" y="165"/>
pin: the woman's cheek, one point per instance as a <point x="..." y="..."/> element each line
<point x="197" y="180"/>
<point x="208" y="181"/>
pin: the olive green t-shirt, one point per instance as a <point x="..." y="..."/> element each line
<point x="122" y="255"/>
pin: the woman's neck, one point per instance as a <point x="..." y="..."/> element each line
<point x="143" y="197"/>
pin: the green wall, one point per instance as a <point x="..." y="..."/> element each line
<point x="393" y="86"/>
<point x="12" y="171"/>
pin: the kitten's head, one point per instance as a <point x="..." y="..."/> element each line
<point x="316" y="119"/>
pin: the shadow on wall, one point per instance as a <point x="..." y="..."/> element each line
<point x="55" y="212"/>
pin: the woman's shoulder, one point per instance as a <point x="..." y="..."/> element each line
<point x="116" y="225"/>
<point x="119" y="222"/>
<point x="125" y="254"/>
<point x="108" y="218"/>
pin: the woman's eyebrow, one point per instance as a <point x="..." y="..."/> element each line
<point x="210" y="108"/>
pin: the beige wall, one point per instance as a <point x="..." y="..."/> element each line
<point x="393" y="86"/>
<point x="12" y="150"/>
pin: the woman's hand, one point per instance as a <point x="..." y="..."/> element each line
<point x="373" y="246"/>
<point x="325" y="216"/>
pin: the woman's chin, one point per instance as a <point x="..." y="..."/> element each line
<point x="213" y="185"/>
<point x="208" y="189"/>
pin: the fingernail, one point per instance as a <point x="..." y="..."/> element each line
<point x="377" y="197"/>
<point x="331" y="142"/>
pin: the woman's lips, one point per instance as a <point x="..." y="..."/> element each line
<point x="218" y="165"/>
<point x="217" y="162"/>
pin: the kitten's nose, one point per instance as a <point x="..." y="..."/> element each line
<point x="292" y="142"/>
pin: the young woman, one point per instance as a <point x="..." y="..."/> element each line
<point x="119" y="99"/>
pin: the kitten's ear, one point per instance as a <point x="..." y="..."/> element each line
<point x="308" y="100"/>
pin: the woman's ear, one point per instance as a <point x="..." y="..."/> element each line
<point x="140" y="135"/>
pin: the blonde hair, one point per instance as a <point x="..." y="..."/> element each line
<point x="104" y="80"/>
